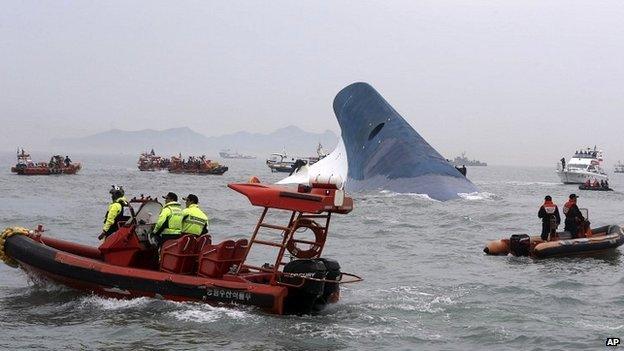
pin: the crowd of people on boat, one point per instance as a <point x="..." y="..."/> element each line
<point x="575" y="223"/>
<point x="594" y="183"/>
<point x="192" y="163"/>
<point x="57" y="161"/>
<point x="149" y="161"/>
<point x="173" y="221"/>
<point x="586" y="153"/>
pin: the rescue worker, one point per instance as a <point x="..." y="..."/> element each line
<point x="573" y="215"/>
<point x="549" y="213"/>
<point x="194" y="220"/>
<point x="67" y="161"/>
<point x="114" y="215"/>
<point x="169" y="224"/>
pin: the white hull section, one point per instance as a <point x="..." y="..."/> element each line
<point x="332" y="166"/>
<point x="580" y="177"/>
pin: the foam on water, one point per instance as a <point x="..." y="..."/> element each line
<point x="108" y="304"/>
<point x="391" y="194"/>
<point x="202" y="313"/>
<point x="479" y="196"/>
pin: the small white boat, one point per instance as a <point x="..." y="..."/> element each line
<point x="227" y="153"/>
<point x="585" y="164"/>
<point x="282" y="162"/>
<point x="619" y="167"/>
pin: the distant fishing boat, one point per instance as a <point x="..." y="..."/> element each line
<point x="462" y="160"/>
<point x="619" y="167"/>
<point x="57" y="165"/>
<point x="149" y="161"/>
<point x="227" y="153"/>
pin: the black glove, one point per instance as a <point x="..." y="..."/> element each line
<point x="102" y="236"/>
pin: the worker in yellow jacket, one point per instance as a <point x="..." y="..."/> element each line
<point x="194" y="220"/>
<point x="115" y="213"/>
<point x="169" y="223"/>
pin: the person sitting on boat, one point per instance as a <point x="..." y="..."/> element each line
<point x="169" y="224"/>
<point x="114" y="215"/>
<point x="194" y="220"/>
<point x="596" y="184"/>
<point x="606" y="184"/>
<point x="573" y="215"/>
<point x="549" y="213"/>
<point x="67" y="161"/>
<point x="588" y="183"/>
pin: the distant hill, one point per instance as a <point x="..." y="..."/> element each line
<point x="186" y="141"/>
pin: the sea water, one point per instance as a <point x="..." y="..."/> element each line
<point x="427" y="284"/>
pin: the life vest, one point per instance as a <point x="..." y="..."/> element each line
<point x="193" y="220"/>
<point x="568" y="205"/>
<point x="115" y="206"/>
<point x="173" y="222"/>
<point x="549" y="207"/>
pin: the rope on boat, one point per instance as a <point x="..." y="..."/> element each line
<point x="7" y="233"/>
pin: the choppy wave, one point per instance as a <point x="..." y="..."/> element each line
<point x="387" y="193"/>
<point x="106" y="303"/>
<point x="478" y="196"/>
<point x="202" y="313"/>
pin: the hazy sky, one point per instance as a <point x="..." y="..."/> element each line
<point x="507" y="81"/>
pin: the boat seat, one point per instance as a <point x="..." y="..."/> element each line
<point x="179" y="255"/>
<point x="215" y="260"/>
<point x="202" y="241"/>
<point x="240" y="249"/>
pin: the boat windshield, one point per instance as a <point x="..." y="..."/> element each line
<point x="146" y="218"/>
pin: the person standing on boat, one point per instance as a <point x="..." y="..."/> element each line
<point x="114" y="215"/>
<point x="169" y="224"/>
<point x="573" y="215"/>
<point x="549" y="213"/>
<point x="67" y="161"/>
<point x="194" y="220"/>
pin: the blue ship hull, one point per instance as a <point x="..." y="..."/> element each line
<point x="385" y="153"/>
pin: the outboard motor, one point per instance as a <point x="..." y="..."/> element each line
<point x="302" y="300"/>
<point x="331" y="292"/>
<point x="520" y="245"/>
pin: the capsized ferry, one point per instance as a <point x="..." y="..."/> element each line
<point x="297" y="279"/>
<point x="585" y="164"/>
